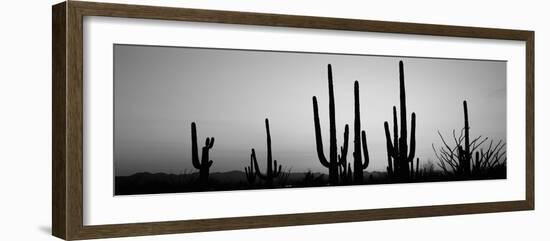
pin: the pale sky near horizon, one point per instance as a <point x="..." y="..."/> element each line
<point x="159" y="91"/>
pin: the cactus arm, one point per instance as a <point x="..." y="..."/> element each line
<point x="249" y="171"/>
<point x="417" y="167"/>
<point x="395" y="133"/>
<point x="346" y="141"/>
<point x="206" y="162"/>
<point x="412" y="146"/>
<point x="194" y="147"/>
<point x="396" y="147"/>
<point x="411" y="167"/>
<point x="276" y="169"/>
<point x="389" y="169"/>
<point x="211" y="144"/>
<point x="256" y="167"/>
<point x="342" y="158"/>
<point x="251" y="167"/>
<point x="344" y="147"/>
<point x="389" y="145"/>
<point x="365" y="150"/>
<point x="318" y="135"/>
<point x="252" y="159"/>
<point x="205" y="158"/>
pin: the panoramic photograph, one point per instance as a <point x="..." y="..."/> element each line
<point x="203" y="119"/>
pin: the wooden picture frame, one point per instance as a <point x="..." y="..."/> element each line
<point x="67" y="150"/>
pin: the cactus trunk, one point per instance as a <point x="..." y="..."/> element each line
<point x="358" y="142"/>
<point x="465" y="150"/>
<point x="467" y="153"/>
<point x="404" y="165"/>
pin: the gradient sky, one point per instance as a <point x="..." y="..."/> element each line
<point x="159" y="91"/>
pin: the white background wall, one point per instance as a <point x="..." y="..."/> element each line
<point x="25" y="123"/>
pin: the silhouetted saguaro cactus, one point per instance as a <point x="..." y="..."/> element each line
<point x="332" y="162"/>
<point x="464" y="153"/>
<point x="205" y="163"/>
<point x="345" y="167"/>
<point x="273" y="170"/>
<point x="401" y="153"/>
<point x="359" y="141"/>
<point x="249" y="171"/>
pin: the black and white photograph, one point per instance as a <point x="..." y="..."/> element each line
<point x="274" y="120"/>
<point x="203" y="119"/>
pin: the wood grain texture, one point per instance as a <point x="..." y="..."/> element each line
<point x="530" y="120"/>
<point x="74" y="121"/>
<point x="155" y="228"/>
<point x="58" y="121"/>
<point x="280" y="20"/>
<point x="67" y="81"/>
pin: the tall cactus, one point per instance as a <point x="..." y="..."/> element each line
<point x="398" y="150"/>
<point x="205" y="163"/>
<point x="465" y="153"/>
<point x="273" y="170"/>
<point x="332" y="162"/>
<point x="358" y="164"/>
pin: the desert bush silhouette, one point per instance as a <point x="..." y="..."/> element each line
<point x="310" y="180"/>
<point x="491" y="162"/>
<point x="457" y="158"/>
<point x="205" y="163"/>
<point x="400" y="155"/>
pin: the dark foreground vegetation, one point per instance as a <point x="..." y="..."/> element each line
<point x="156" y="183"/>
